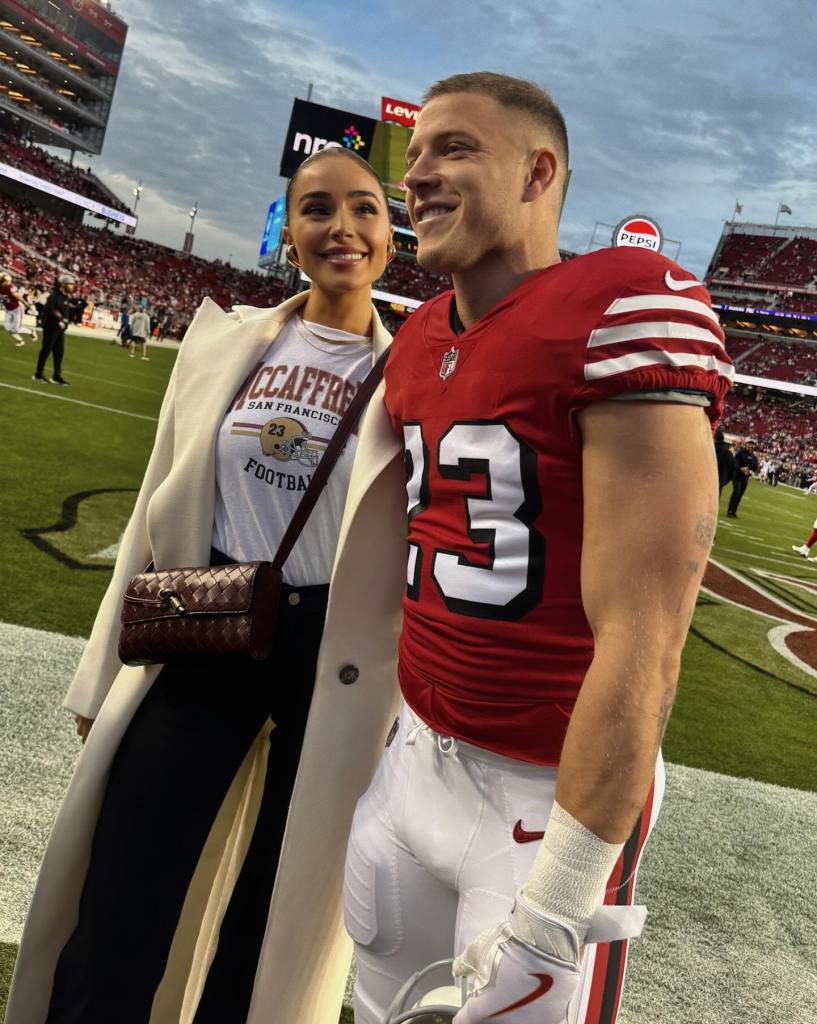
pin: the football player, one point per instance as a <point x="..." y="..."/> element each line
<point x="804" y="550"/>
<point x="562" y="497"/>
<point x="14" y="309"/>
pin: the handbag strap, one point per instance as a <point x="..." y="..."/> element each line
<point x="327" y="463"/>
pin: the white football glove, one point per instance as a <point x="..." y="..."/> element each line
<point x="526" y="970"/>
<point x="509" y="978"/>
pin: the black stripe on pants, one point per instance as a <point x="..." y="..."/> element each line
<point x="168" y="779"/>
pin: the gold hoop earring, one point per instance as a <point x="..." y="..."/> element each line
<point x="290" y="259"/>
<point x="391" y="252"/>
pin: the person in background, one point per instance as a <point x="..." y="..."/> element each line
<point x="139" y="329"/>
<point x="56" y="317"/>
<point x="183" y="759"/>
<point x="726" y="460"/>
<point x="123" y="334"/>
<point x="745" y="464"/>
<point x="12" y="301"/>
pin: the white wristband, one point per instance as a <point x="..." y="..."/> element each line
<point x="570" y="871"/>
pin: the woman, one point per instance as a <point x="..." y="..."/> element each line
<point x="167" y="784"/>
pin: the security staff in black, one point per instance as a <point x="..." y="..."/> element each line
<point x="56" y="316"/>
<point x="726" y="460"/>
<point x="745" y="464"/>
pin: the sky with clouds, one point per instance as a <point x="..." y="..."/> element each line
<point x="674" y="109"/>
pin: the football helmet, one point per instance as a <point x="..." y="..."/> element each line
<point x="285" y="439"/>
<point x="429" y="997"/>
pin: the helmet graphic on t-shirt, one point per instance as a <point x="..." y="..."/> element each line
<point x="287" y="440"/>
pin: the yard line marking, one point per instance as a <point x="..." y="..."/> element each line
<point x="100" y="380"/>
<point x="763" y="558"/>
<point x="76" y="401"/>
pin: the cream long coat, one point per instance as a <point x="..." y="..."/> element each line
<point x="306" y="954"/>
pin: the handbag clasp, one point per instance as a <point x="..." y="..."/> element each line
<point x="173" y="600"/>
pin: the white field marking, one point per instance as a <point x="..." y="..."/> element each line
<point x="42" y="393"/>
<point x="791" y="580"/>
<point x="756" y="588"/>
<point x="761" y="558"/>
<point x="110" y="552"/>
<point x="100" y="380"/>
<point x="777" y="638"/>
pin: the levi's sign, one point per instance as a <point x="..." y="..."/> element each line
<point x="313" y="127"/>
<point x="399" y="112"/>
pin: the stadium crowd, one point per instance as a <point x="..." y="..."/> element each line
<point x="25" y="157"/>
<point x="785" y="428"/>
<point x="116" y="270"/>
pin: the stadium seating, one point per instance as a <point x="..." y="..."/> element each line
<point x="112" y="268"/>
<point x="406" y="277"/>
<point x="789" y="360"/>
<point x="36" y="161"/>
<point x="786" y="429"/>
<point x="759" y="270"/>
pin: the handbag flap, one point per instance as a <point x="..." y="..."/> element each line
<point x="206" y="590"/>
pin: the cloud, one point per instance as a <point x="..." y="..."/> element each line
<point x="673" y="109"/>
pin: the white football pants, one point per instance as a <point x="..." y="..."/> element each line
<point x="14" y="320"/>
<point x="432" y="861"/>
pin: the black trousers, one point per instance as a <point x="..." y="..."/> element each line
<point x="53" y="344"/>
<point x="739" y="485"/>
<point x="168" y="779"/>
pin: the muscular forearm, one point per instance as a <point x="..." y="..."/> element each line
<point x="609" y="755"/>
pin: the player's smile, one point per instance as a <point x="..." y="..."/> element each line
<point x="425" y="213"/>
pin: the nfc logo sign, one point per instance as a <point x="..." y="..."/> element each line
<point x="308" y="144"/>
<point x="639" y="231"/>
<point x="313" y="127"/>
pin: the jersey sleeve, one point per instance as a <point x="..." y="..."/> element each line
<point x="655" y="331"/>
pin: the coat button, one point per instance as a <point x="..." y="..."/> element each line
<point x="294" y="598"/>
<point x="349" y="674"/>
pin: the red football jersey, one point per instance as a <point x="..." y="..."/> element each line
<point x="495" y="643"/>
<point x="7" y="297"/>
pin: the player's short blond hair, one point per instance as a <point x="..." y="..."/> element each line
<point x="516" y="94"/>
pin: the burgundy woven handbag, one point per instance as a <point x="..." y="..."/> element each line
<point x="224" y="609"/>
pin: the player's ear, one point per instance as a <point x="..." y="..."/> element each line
<point x="542" y="174"/>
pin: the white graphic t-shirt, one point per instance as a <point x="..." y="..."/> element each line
<point x="274" y="436"/>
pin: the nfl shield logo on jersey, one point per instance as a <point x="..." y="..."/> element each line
<point x="449" y="363"/>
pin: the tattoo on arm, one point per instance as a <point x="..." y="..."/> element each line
<point x="705" y="530"/>
<point x="692" y="568"/>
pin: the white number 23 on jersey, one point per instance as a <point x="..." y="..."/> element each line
<point x="507" y="581"/>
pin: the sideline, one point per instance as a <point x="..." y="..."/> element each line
<point x="77" y="401"/>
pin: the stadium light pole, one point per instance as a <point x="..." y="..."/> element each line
<point x="136" y="194"/>
<point x="192" y="215"/>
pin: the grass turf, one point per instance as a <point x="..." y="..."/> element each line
<point x="742" y="709"/>
<point x="8" y="954"/>
<point x="57" y="448"/>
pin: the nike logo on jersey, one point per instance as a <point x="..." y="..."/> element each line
<point x="545" y="982"/>
<point x="679" y="286"/>
<point x="521" y="835"/>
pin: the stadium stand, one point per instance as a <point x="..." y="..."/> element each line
<point x="406" y="277"/>
<point x="762" y="267"/>
<point x="18" y="153"/>
<point x="780" y="360"/>
<point x="111" y="268"/>
<point x="785" y="427"/>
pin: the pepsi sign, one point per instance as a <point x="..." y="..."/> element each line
<point x="639" y="231"/>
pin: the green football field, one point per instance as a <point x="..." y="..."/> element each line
<point x="746" y="710"/>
